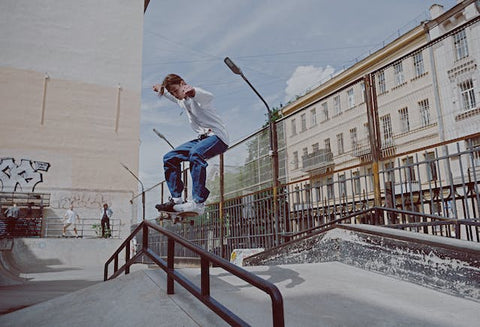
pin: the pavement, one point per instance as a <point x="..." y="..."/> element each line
<point x="320" y="294"/>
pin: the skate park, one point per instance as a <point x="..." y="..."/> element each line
<point x="438" y="288"/>
<point x="355" y="204"/>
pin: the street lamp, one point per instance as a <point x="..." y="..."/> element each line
<point x="273" y="139"/>
<point x="143" y="190"/>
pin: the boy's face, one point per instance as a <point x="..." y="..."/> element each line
<point x="178" y="90"/>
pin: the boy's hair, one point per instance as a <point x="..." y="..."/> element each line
<point x="169" y="80"/>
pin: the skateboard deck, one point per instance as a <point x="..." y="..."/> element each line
<point x="177" y="217"/>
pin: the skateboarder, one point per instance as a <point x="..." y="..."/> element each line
<point x="212" y="140"/>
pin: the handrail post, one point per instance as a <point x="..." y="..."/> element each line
<point x="170" y="265"/>
<point x="205" y="277"/>
<point x="145" y="237"/>
<point x="127" y="258"/>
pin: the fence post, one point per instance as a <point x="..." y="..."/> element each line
<point x="374" y="136"/>
<point x="220" y="206"/>
<point x="275" y="173"/>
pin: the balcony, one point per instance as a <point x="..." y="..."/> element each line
<point x="319" y="161"/>
<point x="407" y="187"/>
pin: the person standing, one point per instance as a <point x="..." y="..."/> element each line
<point x="12" y="216"/>
<point x="106" y="215"/>
<point x="70" y="218"/>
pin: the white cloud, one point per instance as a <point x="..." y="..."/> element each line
<point x="306" y="77"/>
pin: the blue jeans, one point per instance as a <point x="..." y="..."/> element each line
<point x="197" y="152"/>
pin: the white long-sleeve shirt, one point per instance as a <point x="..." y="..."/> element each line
<point x="202" y="115"/>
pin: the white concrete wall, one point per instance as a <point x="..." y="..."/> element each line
<point x="70" y="96"/>
<point x="96" y="42"/>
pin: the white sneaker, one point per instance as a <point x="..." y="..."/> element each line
<point x="190" y="206"/>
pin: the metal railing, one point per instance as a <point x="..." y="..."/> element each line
<point x="206" y="259"/>
<point x="86" y="227"/>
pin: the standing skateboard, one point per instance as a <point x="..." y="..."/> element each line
<point x="178" y="217"/>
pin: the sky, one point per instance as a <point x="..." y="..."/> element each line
<point x="283" y="47"/>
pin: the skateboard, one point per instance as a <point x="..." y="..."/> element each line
<point x="178" y="217"/>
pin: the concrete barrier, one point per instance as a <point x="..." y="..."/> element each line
<point x="444" y="264"/>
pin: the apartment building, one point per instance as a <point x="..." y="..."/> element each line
<point x="420" y="89"/>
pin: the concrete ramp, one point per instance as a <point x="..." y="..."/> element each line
<point x="449" y="265"/>
<point x="36" y="270"/>
<point x="318" y="294"/>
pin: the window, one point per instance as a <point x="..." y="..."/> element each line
<point x="424" y="109"/>
<point x="294" y="127"/>
<point x="431" y="166"/>
<point x="353" y="138"/>
<point x="330" y="190"/>
<point x="315" y="147"/>
<point x="327" y="145"/>
<point x="362" y="89"/>
<point x="356" y="182"/>
<point x="473" y="145"/>
<point x="461" y="46"/>
<point x="366" y="131"/>
<point x="295" y="160"/>
<point x="325" y="111"/>
<point x="418" y="64"/>
<point x="386" y="130"/>
<point x="398" y="77"/>
<point x="336" y="105"/>
<point x="342" y="186"/>
<point x="409" y="169"/>
<point x="340" y="143"/>
<point x="382" y="86"/>
<point x="303" y="121"/>
<point x="467" y="94"/>
<point x="404" y="121"/>
<point x="305" y="152"/>
<point x="369" y="180"/>
<point x="313" y="117"/>
<point x="389" y="171"/>
<point x="351" y="98"/>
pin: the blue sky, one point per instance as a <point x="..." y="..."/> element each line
<point x="283" y="47"/>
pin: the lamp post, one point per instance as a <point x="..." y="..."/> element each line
<point x="273" y="141"/>
<point x="160" y="135"/>
<point x="143" y="190"/>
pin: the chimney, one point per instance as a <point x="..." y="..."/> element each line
<point x="436" y="10"/>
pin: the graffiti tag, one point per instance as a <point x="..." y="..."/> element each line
<point x="21" y="177"/>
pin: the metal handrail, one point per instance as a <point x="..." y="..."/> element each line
<point x="206" y="259"/>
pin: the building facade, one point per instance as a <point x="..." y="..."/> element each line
<point x="415" y="92"/>
<point x="70" y="105"/>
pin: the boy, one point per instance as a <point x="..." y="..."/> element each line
<point x="212" y="140"/>
<point x="70" y="218"/>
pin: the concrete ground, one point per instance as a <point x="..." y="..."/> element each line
<point x="54" y="267"/>
<point x="320" y="294"/>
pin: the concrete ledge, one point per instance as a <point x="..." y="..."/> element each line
<point x="447" y="265"/>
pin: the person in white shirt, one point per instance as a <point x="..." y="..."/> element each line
<point x="70" y="218"/>
<point x="212" y="140"/>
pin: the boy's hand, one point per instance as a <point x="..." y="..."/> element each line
<point x="189" y="91"/>
<point x="156" y="88"/>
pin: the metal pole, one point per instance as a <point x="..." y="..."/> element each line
<point x="374" y="131"/>
<point x="273" y="144"/>
<point x="143" y="190"/>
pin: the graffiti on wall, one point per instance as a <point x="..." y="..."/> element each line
<point x="92" y="200"/>
<point x="21" y="177"/>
